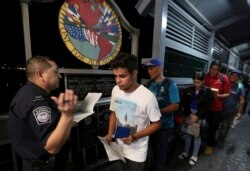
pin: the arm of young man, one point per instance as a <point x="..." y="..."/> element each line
<point x="153" y="127"/>
<point x="112" y="125"/>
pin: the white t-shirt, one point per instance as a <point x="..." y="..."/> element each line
<point x="136" y="110"/>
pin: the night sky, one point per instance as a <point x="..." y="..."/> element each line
<point x="46" y="39"/>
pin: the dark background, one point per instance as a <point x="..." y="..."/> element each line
<point x="46" y="40"/>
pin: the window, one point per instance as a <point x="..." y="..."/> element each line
<point x="179" y="64"/>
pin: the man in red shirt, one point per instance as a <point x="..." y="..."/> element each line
<point x="220" y="86"/>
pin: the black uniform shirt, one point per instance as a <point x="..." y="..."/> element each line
<point x="32" y="117"/>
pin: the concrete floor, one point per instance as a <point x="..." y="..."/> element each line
<point x="232" y="157"/>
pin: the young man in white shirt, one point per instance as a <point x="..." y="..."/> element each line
<point x="132" y="106"/>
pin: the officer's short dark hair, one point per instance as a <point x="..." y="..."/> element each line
<point x="36" y="63"/>
<point x="125" y="60"/>
<point x="216" y="62"/>
<point x="199" y="75"/>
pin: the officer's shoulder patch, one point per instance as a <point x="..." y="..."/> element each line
<point x="42" y="115"/>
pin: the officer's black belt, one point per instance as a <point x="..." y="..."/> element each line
<point x="41" y="165"/>
<point x="48" y="159"/>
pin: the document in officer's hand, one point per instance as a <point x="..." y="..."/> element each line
<point x="87" y="106"/>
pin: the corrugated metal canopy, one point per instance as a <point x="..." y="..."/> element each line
<point x="229" y="19"/>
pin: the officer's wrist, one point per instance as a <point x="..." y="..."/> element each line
<point x="67" y="117"/>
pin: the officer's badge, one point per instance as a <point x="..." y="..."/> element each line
<point x="42" y="115"/>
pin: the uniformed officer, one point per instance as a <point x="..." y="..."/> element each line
<point x="39" y="125"/>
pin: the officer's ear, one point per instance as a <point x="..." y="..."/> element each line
<point x="39" y="73"/>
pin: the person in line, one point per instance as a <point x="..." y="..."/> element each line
<point x="220" y="86"/>
<point x="167" y="95"/>
<point x="248" y="150"/>
<point x="246" y="85"/>
<point x="196" y="101"/>
<point x="132" y="106"/>
<point x="233" y="106"/>
<point x="39" y="125"/>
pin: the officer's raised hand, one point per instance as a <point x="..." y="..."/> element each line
<point x="66" y="102"/>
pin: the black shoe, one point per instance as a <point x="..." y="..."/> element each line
<point x="221" y="145"/>
<point x="248" y="152"/>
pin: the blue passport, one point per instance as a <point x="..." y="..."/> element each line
<point x="122" y="132"/>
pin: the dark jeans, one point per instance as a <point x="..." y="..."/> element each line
<point x="26" y="165"/>
<point x="128" y="166"/>
<point x="213" y="120"/>
<point x="158" y="147"/>
<point x="132" y="165"/>
<point x="227" y="119"/>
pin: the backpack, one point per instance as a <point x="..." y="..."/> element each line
<point x="178" y="115"/>
<point x="222" y="79"/>
<point x="166" y="82"/>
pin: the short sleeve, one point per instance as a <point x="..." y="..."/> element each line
<point x="153" y="110"/>
<point x="43" y="119"/>
<point x="174" y="93"/>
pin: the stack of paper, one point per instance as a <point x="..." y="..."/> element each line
<point x="113" y="150"/>
<point x="87" y="107"/>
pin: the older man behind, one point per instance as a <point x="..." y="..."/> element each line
<point x="168" y="98"/>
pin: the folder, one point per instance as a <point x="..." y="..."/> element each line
<point x="122" y="132"/>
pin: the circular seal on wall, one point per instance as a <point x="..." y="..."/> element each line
<point x="90" y="30"/>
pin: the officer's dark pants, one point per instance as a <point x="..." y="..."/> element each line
<point x="213" y="120"/>
<point x="26" y="165"/>
<point x="59" y="162"/>
<point x="159" y="142"/>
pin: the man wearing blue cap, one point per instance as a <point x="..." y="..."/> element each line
<point x="167" y="95"/>
<point x="233" y="106"/>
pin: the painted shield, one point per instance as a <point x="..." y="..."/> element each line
<point x="90" y="30"/>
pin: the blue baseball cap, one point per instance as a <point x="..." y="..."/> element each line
<point x="154" y="62"/>
<point x="236" y="71"/>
